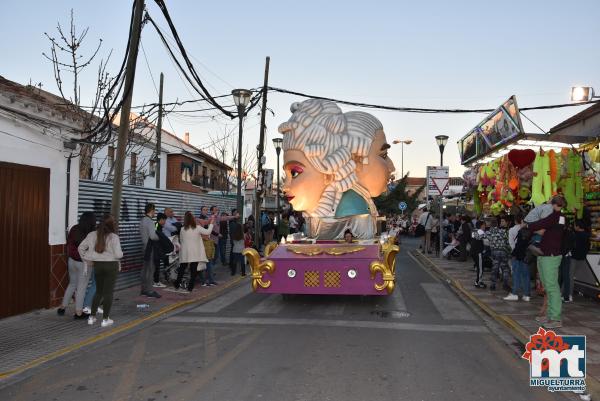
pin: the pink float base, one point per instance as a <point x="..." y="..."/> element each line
<point x="360" y="261"/>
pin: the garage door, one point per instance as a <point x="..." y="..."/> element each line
<point x="24" y="250"/>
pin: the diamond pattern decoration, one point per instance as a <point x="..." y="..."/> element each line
<point x="311" y="278"/>
<point x="332" y="279"/>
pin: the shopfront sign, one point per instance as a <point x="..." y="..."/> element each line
<point x="501" y="126"/>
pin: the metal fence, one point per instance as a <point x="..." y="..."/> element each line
<point x="96" y="196"/>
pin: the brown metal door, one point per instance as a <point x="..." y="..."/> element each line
<point x="24" y="250"/>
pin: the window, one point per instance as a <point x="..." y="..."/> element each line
<point x="111" y="156"/>
<point x="152" y="167"/>
<point x="133" y="169"/>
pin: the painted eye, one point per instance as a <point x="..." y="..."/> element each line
<point x="384" y="155"/>
<point x="296" y="171"/>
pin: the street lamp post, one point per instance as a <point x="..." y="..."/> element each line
<point x="441" y="140"/>
<point x="402" y="142"/>
<point x="241" y="98"/>
<point x="278" y="142"/>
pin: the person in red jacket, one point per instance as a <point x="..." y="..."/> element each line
<point x="552" y="229"/>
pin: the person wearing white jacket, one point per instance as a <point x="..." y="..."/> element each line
<point x="192" y="252"/>
<point x="102" y="250"/>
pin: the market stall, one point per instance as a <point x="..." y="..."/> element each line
<point x="510" y="172"/>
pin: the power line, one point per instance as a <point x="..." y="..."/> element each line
<point x="420" y="109"/>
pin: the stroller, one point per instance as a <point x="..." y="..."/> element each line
<point x="451" y="249"/>
<point x="173" y="268"/>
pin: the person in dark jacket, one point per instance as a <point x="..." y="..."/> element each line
<point x="521" y="276"/>
<point x="464" y="237"/>
<point x="552" y="229"/>
<point x="477" y="248"/>
<point x="581" y="247"/>
<point x="160" y="248"/>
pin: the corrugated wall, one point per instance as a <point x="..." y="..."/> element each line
<point x="96" y="196"/>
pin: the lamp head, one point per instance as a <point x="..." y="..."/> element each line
<point x="582" y="93"/>
<point x="441" y="140"/>
<point x="241" y="97"/>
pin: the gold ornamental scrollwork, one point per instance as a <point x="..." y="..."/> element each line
<point x="387" y="268"/>
<point x="316" y="250"/>
<point x="270" y="248"/>
<point x="259" y="268"/>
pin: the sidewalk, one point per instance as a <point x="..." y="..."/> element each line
<point x="581" y="317"/>
<point x="36" y="337"/>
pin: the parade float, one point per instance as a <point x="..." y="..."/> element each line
<point x="510" y="172"/>
<point x="334" y="163"/>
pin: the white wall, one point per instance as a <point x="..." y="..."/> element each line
<point x="22" y="144"/>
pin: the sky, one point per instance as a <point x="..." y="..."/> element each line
<point x="441" y="54"/>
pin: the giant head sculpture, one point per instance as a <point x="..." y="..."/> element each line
<point x="334" y="162"/>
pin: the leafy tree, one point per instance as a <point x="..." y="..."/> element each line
<point x="388" y="202"/>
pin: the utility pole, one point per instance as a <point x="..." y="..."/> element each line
<point x="261" y="150"/>
<point x="136" y="29"/>
<point x="159" y="130"/>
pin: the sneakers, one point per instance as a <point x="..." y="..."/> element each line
<point x="184" y="291"/>
<point x="525" y="298"/>
<point x="541" y="319"/>
<point x="511" y="297"/>
<point x="106" y="322"/>
<point x="213" y="284"/>
<point x="152" y="294"/>
<point x="480" y="285"/>
<point x="568" y="300"/>
<point x="60" y="311"/>
<point x="88" y="311"/>
<point x="553" y="324"/>
<point x="83" y="316"/>
<point x="158" y="285"/>
<point x="91" y="320"/>
<point x="204" y="285"/>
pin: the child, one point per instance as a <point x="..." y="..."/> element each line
<point x="537" y="213"/>
<point x="498" y="237"/>
<point x="477" y="248"/>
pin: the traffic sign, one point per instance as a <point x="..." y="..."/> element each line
<point x="402" y="205"/>
<point x="435" y="172"/>
<point x="440" y="185"/>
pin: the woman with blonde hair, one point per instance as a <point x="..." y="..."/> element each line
<point x="102" y="249"/>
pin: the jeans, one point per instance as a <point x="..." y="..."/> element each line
<point x="238" y="258"/>
<point x="147" y="274"/>
<point x="77" y="284"/>
<point x="209" y="277"/>
<point x="478" y="264"/>
<point x="165" y="263"/>
<point x="106" y="277"/>
<point x="91" y="289"/>
<point x="567" y="271"/>
<point x="193" y="273"/>
<point x="521" y="278"/>
<point x="222" y="246"/>
<point x="500" y="264"/>
<point x="548" y="270"/>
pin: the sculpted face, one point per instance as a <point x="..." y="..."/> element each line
<point x="304" y="185"/>
<point x="375" y="175"/>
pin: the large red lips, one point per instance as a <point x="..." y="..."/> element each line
<point x="289" y="198"/>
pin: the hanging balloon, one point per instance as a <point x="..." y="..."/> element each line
<point x="521" y="157"/>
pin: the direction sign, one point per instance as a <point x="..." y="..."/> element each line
<point x="402" y="205"/>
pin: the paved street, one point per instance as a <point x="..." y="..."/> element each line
<point x="422" y="343"/>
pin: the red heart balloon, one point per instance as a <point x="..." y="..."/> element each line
<point x="521" y="157"/>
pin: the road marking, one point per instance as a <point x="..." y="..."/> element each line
<point x="452" y="328"/>
<point x="224" y="300"/>
<point x="446" y="302"/>
<point x="398" y="300"/>
<point x="272" y="303"/>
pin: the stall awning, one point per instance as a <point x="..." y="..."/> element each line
<point x="580" y="128"/>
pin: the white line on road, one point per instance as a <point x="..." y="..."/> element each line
<point x="450" y="328"/>
<point x="224" y="300"/>
<point x="272" y="303"/>
<point x="450" y="307"/>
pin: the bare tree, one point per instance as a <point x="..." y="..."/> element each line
<point x="69" y="64"/>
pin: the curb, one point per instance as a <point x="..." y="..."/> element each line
<point x="127" y="326"/>
<point x="520" y="333"/>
